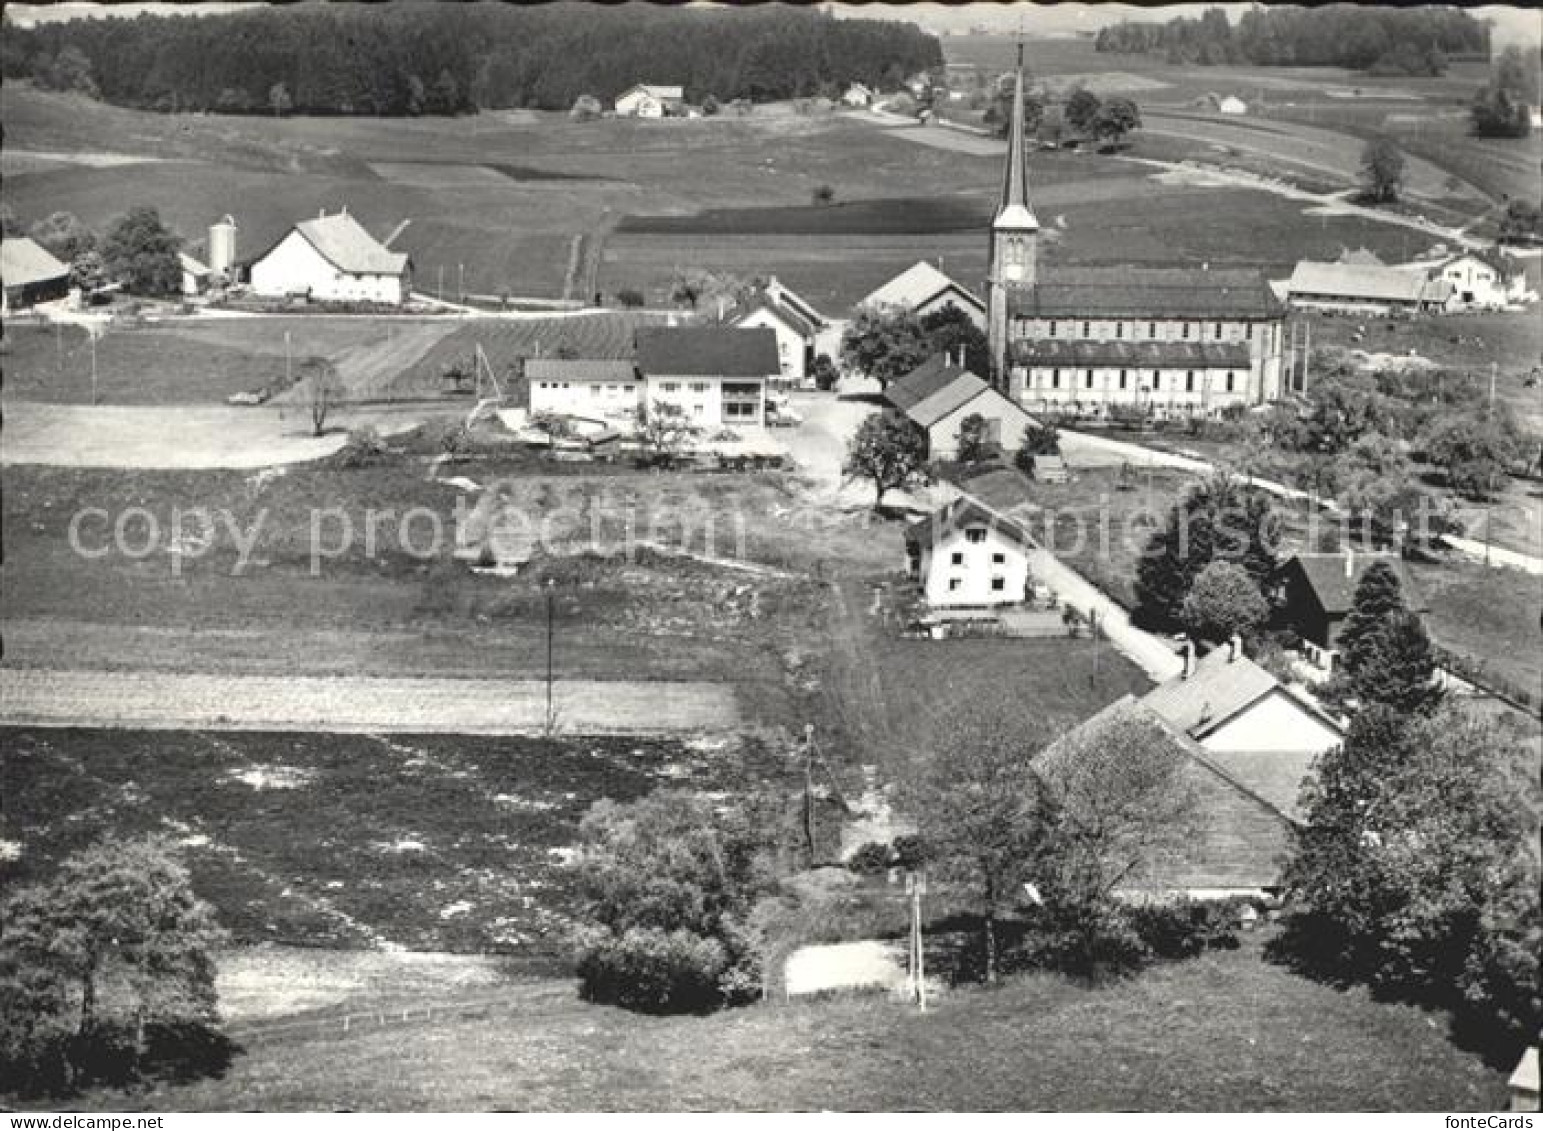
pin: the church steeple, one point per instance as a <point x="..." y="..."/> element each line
<point x="1013" y="262"/>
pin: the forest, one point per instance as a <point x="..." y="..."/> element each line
<point x="405" y="58"/>
<point x="1381" y="40"/>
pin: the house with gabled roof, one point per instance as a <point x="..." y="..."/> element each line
<point x="715" y="375"/>
<point x="938" y="397"/>
<point x="649" y="100"/>
<point x="1230" y="705"/>
<point x="858" y="94"/>
<point x="333" y="259"/>
<point x="796" y="324"/>
<point x="30" y="274"/>
<point x="965" y="555"/>
<point x="1318" y="592"/>
<point x="1482" y="280"/>
<point x="1238" y="814"/>
<point x="924" y="289"/>
<point x="602" y="389"/>
<point x="1363" y="288"/>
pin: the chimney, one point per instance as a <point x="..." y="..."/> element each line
<point x="1349" y="564"/>
<point x="1234" y="648"/>
<point x="1189" y="657"/>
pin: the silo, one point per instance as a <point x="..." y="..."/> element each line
<point x="222" y="246"/>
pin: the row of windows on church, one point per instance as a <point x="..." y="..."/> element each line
<point x="1188" y="331"/>
<point x="1155" y="386"/>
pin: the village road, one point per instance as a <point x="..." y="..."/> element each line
<point x="176" y="701"/>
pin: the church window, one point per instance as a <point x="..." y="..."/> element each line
<point x="1229" y="382"/>
<point x="1090" y="378"/>
<point x="1119" y="329"/>
<point x="1122" y="379"/>
<point x="1218" y="331"/>
<point x="1189" y="381"/>
<point x="1184" y="331"/>
<point x="1055" y="378"/>
<point x="1151" y="329"/>
<point x="1052" y="327"/>
<point x="1087" y="329"/>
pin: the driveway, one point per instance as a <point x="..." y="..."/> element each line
<point x="346" y="704"/>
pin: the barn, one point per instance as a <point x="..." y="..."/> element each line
<point x="30" y="274"/>
<point x="333" y="259"/>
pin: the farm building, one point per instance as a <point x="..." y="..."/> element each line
<point x="1090" y="340"/>
<point x="796" y="324"/>
<point x="1231" y="706"/>
<point x="1318" y="591"/>
<point x="965" y="555"/>
<point x="333" y="259"/>
<point x="714" y="374"/>
<point x="924" y="289"/>
<point x="1482" y="280"/>
<point x="857" y="95"/>
<point x="195" y="275"/>
<point x="587" y="388"/>
<point x="1234" y="818"/>
<point x="30" y="274"/>
<point x="939" y="397"/>
<point x="1362" y="288"/>
<point x="648" y="101"/>
<point x="1231" y="104"/>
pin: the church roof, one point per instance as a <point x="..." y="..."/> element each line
<point x="1148" y="292"/>
<point x="1015" y="210"/>
<point x="1132" y="355"/>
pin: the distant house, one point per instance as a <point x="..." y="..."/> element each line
<point x="1357" y="288"/>
<point x="1242" y="815"/>
<point x="923" y="289"/>
<point x="649" y="101"/>
<point x="333" y="259"/>
<point x="796" y="324"/>
<point x="939" y="397"/>
<point x="1231" y="104"/>
<point x="965" y="555"/>
<point x="716" y="375"/>
<point x="31" y="275"/>
<point x="1482" y="280"/>
<point x="195" y="275"/>
<point x="1318" y="591"/>
<point x="857" y="95"/>
<point x="1232" y="706"/>
<point x="586" y="388"/>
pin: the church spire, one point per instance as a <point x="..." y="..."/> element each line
<point x="1015" y="209"/>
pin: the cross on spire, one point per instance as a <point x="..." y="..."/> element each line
<point x="1015" y="207"/>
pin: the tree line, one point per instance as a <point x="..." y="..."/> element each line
<point x="398" y="59"/>
<point x="1382" y="40"/>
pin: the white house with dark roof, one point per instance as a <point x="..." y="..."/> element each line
<point x="796" y="324"/>
<point x="333" y="259"/>
<point x="592" y="389"/>
<point x="1171" y="341"/>
<point x="716" y="375"/>
<point x="648" y="100"/>
<point x="924" y="289"/>
<point x="939" y="397"/>
<point x="966" y="556"/>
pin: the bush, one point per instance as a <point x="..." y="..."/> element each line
<point x="870" y="859"/>
<point x="364" y="448"/>
<point x="1186" y="928"/>
<point x="652" y="971"/>
<point x="630" y="297"/>
<point x="910" y="851"/>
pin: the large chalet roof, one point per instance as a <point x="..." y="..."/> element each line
<point x="1132" y="355"/>
<point x="24" y="262"/>
<point x="662" y="93"/>
<point x="962" y="388"/>
<point x="1240" y="836"/>
<point x="916" y="285"/>
<point x="708" y="351"/>
<point x="344" y="243"/>
<point x="959" y="514"/>
<point x="926" y="379"/>
<point x="1220" y="686"/>
<point x="1147" y="292"/>
<point x="1359" y="281"/>
<point x="1333" y="578"/>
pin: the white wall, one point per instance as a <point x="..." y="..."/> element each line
<point x="1276" y="722"/>
<point x="975" y="571"/>
<point x="639" y="104"/>
<point x="1479" y="280"/>
<point x="295" y="267"/>
<point x="701" y="398"/>
<point x="943" y="437"/>
<point x="596" y="400"/>
<point x="791" y="346"/>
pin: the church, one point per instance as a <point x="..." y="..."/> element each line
<point x="1169" y="342"/>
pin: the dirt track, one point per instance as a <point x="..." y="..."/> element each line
<point x="167" y="701"/>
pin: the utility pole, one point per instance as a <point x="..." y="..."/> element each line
<point x="460" y="287"/>
<point x="1494" y="371"/>
<point x="548" y="719"/>
<point x="288" y="364"/>
<point x="439" y="291"/>
<point x="91" y="333"/>
<point x="916" y="887"/>
<point x="809" y="792"/>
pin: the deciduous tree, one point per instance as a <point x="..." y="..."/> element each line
<point x="1082" y="107"/>
<point x="1223" y="601"/>
<point x="885" y="347"/>
<point x="888" y="451"/>
<point x="1116" y="118"/>
<point x="1382" y="170"/>
<point x="142" y="252"/>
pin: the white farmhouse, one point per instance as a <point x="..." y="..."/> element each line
<point x="1482" y="281"/>
<point x="966" y="556"/>
<point x="648" y="101"/>
<point x="591" y="389"/>
<point x="923" y="289"/>
<point x="333" y="259"/>
<point x="857" y="95"/>
<point x="796" y="324"/>
<point x="716" y="375"/>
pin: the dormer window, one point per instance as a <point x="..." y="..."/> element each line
<point x="975" y="534"/>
